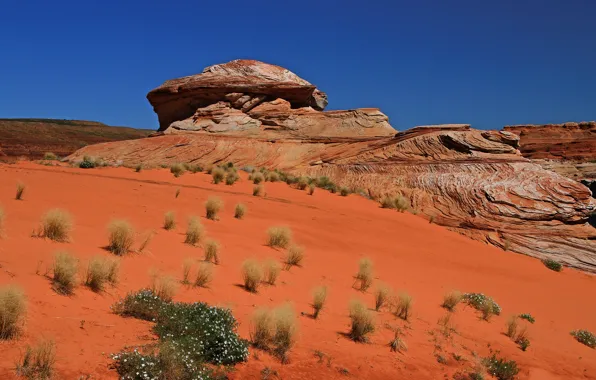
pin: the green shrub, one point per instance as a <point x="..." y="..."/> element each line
<point x="212" y="207"/>
<point x="279" y="237"/>
<point x="56" y="225"/>
<point x="121" y="237"/>
<point x="528" y="317"/>
<point x="344" y="191"/>
<point x="239" y="211"/>
<point x="143" y="304"/>
<point x="585" y="337"/>
<point x="49" y="156"/>
<point x="37" y="363"/>
<point x="88" y="163"/>
<point x="501" y="368"/>
<point x="479" y="300"/>
<point x="12" y="310"/>
<point x="65" y="270"/>
<point x="177" y="170"/>
<point x="20" y="190"/>
<point x="218" y="175"/>
<point x="553" y="265"/>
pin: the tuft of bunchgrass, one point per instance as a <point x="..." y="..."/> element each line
<point x="218" y="175"/>
<point x="362" y="321"/>
<point x="284" y="319"/>
<point x="20" y="190"/>
<point x="344" y="191"/>
<point x="311" y="189"/>
<point x="231" y="178"/>
<point x="382" y="296"/>
<point x="552" y="265"/>
<point x="585" y="337"/>
<point x="204" y="274"/>
<point x="239" y="211"/>
<point x="49" y="156"/>
<point x="488" y="310"/>
<point x="403" y="306"/>
<point x="177" y="170"/>
<point x="319" y="297"/>
<point x="272" y="177"/>
<point x="212" y="251"/>
<point x="302" y="183"/>
<point x="262" y="328"/>
<point x="258" y="190"/>
<point x="56" y="225"/>
<point x="212" y="207"/>
<point x="251" y="275"/>
<point x="121" y="237"/>
<point x="397" y="344"/>
<point x="186" y="268"/>
<point x="451" y="299"/>
<point x="102" y="270"/>
<point x="37" y="363"/>
<point x="294" y="256"/>
<point x="365" y="274"/>
<point x="194" y="231"/>
<point x="388" y="202"/>
<point x="12" y="311"/>
<point x="164" y="287"/>
<point x="138" y="168"/>
<point x="65" y="270"/>
<point x="501" y="368"/>
<point x="279" y="237"/>
<point x="145" y="240"/>
<point x="511" y="326"/>
<point x="402" y="203"/>
<point x="257" y="178"/>
<point x="271" y="269"/>
<point x="169" y="222"/>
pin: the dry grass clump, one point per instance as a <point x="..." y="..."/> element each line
<point x="362" y="321"/>
<point x="257" y="177"/>
<point x="194" y="231"/>
<point x="403" y="306"/>
<point x="231" y="178"/>
<point x="262" y="328"/>
<point x="365" y="274"/>
<point x="218" y="175"/>
<point x="212" y="207"/>
<point x="164" y="287"/>
<point x="519" y="336"/>
<point x="279" y="237"/>
<point x="382" y="296"/>
<point x="402" y="203"/>
<point x="273" y="176"/>
<point x="65" y="270"/>
<point x="177" y="193"/>
<point x="271" y="269"/>
<point x="239" y="211"/>
<point x="318" y="300"/>
<point x="258" y="190"/>
<point x="344" y="191"/>
<point x="451" y="299"/>
<point x="50" y="156"/>
<point x="102" y="270"/>
<point x="12" y="310"/>
<point x="138" y="168"/>
<point x="446" y="325"/>
<point x="212" y="251"/>
<point x="251" y="275"/>
<point x="20" y="190"/>
<point x="397" y="344"/>
<point x="302" y="183"/>
<point x="512" y="324"/>
<point x="204" y="275"/>
<point x="37" y="362"/>
<point x="146" y="239"/>
<point x="387" y="202"/>
<point x="274" y="330"/>
<point x="121" y="237"/>
<point x="487" y="310"/>
<point x="186" y="268"/>
<point x="311" y="189"/>
<point x="294" y="256"/>
<point x="177" y="170"/>
<point x="56" y="225"/>
<point x="169" y="222"/>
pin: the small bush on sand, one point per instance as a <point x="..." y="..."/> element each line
<point x="585" y="337"/>
<point x="212" y="207"/>
<point x="65" y="270"/>
<point x="251" y="275"/>
<point x="382" y="296"/>
<point x="177" y="193"/>
<point x="487" y="310"/>
<point x="365" y="274"/>
<point x="522" y="339"/>
<point x="528" y="317"/>
<point x="121" y="237"/>
<point x="501" y="368"/>
<point x="12" y="310"/>
<point x="302" y="183"/>
<point x="239" y="211"/>
<point x="344" y="191"/>
<point x="177" y="170"/>
<point x="138" y="168"/>
<point x="272" y="177"/>
<point x="511" y="326"/>
<point x="553" y="265"/>
<point x="402" y="203"/>
<point x="169" y="222"/>
<point x="311" y="189"/>
<point x="186" y="268"/>
<point x="143" y="304"/>
<point x="403" y="306"/>
<point x="362" y="321"/>
<point x="37" y="363"/>
<point x="102" y="270"/>
<point x="231" y="178"/>
<point x="318" y="300"/>
<point x="262" y="328"/>
<point x="218" y="175"/>
<point x="257" y="178"/>
<point x="49" y="156"/>
<point x="212" y="251"/>
<point x="204" y="275"/>
<point x="285" y="330"/>
<point x="271" y="270"/>
<point x="164" y="287"/>
<point x="88" y="163"/>
<point x="478" y="300"/>
<point x="294" y="256"/>
<point x="279" y="237"/>
<point x="387" y="202"/>
<point x="258" y="190"/>
<point x="451" y="299"/>
<point x="397" y="344"/>
<point x="194" y="231"/>
<point x="56" y="225"/>
<point x="20" y="190"/>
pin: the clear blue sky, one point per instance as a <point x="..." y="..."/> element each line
<point x="484" y="62"/>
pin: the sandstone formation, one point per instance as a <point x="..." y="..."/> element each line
<point x="475" y="182"/>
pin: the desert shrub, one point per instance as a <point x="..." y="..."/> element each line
<point x="365" y="274"/>
<point x="138" y="168"/>
<point x="311" y="189"/>
<point x="186" y="268"/>
<point x="294" y="256"/>
<point x="212" y="251"/>
<point x="239" y="211"/>
<point x="397" y="344"/>
<point x="302" y="183"/>
<point x="325" y="183"/>
<point x="451" y="299"/>
<point x="501" y="368"/>
<point x="231" y="178"/>
<point x="218" y="175"/>
<point x="487" y="310"/>
<point x="20" y="190"/>
<point x="403" y="306"/>
<point x="271" y="270"/>
<point x="272" y="177"/>
<point x="318" y="300"/>
<point x="169" y="222"/>
<point x="88" y="163"/>
<point x="279" y="237"/>
<point x="121" y="237"/>
<point x="528" y="317"/>
<point x="12" y="310"/>
<point x="194" y="231"/>
<point x="522" y="339"/>
<point x="177" y="193"/>
<point x="257" y="178"/>
<point x="177" y="170"/>
<point x="402" y="203"/>
<point x="362" y="321"/>
<point x="387" y="202"/>
<point x="204" y="275"/>
<point x="285" y="330"/>
<point x="511" y="326"/>
<point x="193" y="168"/>
<point x="382" y="296"/>
<point x="163" y="286"/>
<point x="102" y="270"/>
<point x="478" y="300"/>
<point x="585" y="337"/>
<point x="212" y="207"/>
<point x="37" y="363"/>
<point x="258" y="190"/>
<point x="552" y="265"/>
<point x="56" y="225"/>
<point x="344" y="191"/>
<point x="49" y="156"/>
<point x="251" y="275"/>
<point x="262" y="328"/>
<point x="143" y="304"/>
<point x="65" y="270"/>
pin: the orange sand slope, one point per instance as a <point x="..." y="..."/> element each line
<point x="409" y="254"/>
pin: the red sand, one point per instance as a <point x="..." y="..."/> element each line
<point x="409" y="254"/>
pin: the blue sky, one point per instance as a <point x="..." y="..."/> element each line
<point x="487" y="63"/>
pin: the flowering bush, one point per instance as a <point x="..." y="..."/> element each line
<point x="585" y="337"/>
<point x="143" y="304"/>
<point x="500" y="368"/>
<point x="478" y="300"/>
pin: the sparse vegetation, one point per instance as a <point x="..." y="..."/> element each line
<point x="311" y="189"/>
<point x="294" y="256"/>
<point x="121" y="237"/>
<point x="446" y="325"/>
<point x="49" y="156"/>
<point x="585" y="337"/>
<point x="262" y="328"/>
<point x="511" y="325"/>
<point x="186" y="268"/>
<point x="194" y="231"/>
<point x="37" y="363"/>
<point x="258" y="190"/>
<point x="388" y="202"/>
<point x="272" y="176"/>
<point x="382" y="296"/>
<point x="239" y="211"/>
<point x="397" y="344"/>
<point x="365" y="274"/>
<point x="344" y="191"/>
<point x="102" y="270"/>
<point x="56" y="225"/>
<point x="146" y="239"/>
<point x="204" y="275"/>
<point x="285" y="329"/>
<point x="164" y="287"/>
<point x="20" y="190"/>
<point x="402" y="203"/>
<point x="251" y="275"/>
<point x="403" y="306"/>
<point x="362" y="321"/>
<point x="12" y="311"/>
<point x="138" y="168"/>
<point x="279" y="237"/>
<point x="552" y="265"/>
<point x="487" y="309"/>
<point x="65" y="270"/>
<point x="451" y="299"/>
<point x="501" y="368"/>
<point x="212" y="207"/>
<point x="144" y="304"/>
<point x="169" y="222"/>
<point x="302" y="183"/>
<point x="318" y="300"/>
<point x="212" y="251"/>
<point x="231" y="178"/>
<point x="271" y="271"/>
<point x="522" y="339"/>
<point x="478" y="302"/>
<point x="528" y="317"/>
<point x="257" y="178"/>
<point x="218" y="175"/>
<point x="177" y="170"/>
<point x="88" y="163"/>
